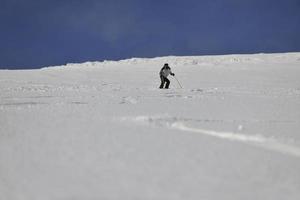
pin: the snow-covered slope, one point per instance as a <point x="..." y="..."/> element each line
<point x="102" y="130"/>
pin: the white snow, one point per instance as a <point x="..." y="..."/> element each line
<point x="102" y="130"/>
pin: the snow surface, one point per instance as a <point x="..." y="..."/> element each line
<point x="102" y="130"/>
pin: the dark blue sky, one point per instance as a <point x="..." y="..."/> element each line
<point x="37" y="33"/>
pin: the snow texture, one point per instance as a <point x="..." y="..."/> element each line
<point x="103" y="130"/>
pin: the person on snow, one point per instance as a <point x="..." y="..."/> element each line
<point x="164" y="73"/>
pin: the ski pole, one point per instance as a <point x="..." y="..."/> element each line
<point x="177" y="81"/>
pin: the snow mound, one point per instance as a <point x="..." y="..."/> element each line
<point x="194" y="60"/>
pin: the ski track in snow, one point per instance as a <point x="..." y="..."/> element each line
<point x="252" y="139"/>
<point x="261" y="141"/>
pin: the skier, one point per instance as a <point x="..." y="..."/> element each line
<point x="164" y="73"/>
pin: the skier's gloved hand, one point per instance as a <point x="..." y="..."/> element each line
<point x="173" y="74"/>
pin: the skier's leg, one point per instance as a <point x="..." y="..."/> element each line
<point x="162" y="79"/>
<point x="168" y="83"/>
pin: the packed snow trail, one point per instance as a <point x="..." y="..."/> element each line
<point x="102" y="130"/>
<point x="253" y="139"/>
<point x="256" y="139"/>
